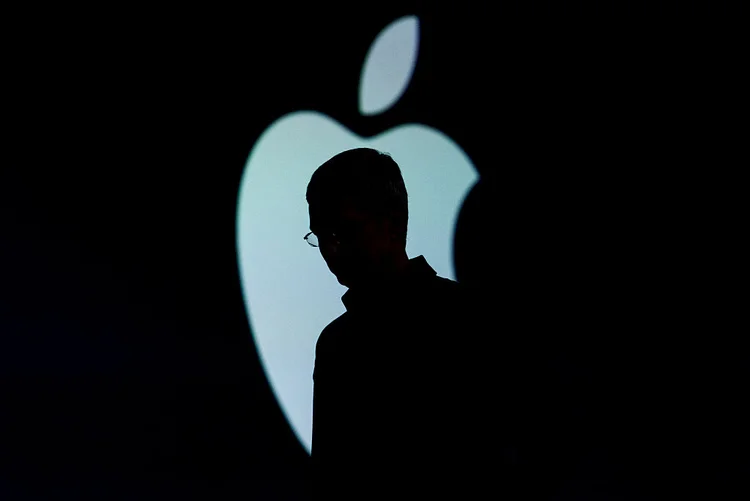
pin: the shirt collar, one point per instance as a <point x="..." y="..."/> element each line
<point x="417" y="271"/>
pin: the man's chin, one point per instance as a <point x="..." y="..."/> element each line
<point x="343" y="280"/>
<point x="351" y="280"/>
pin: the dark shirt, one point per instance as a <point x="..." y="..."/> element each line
<point x="389" y="406"/>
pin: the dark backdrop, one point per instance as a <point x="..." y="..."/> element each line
<point x="604" y="218"/>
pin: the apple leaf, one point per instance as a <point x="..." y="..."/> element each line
<point x="389" y="66"/>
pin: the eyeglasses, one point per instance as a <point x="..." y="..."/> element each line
<point x="313" y="239"/>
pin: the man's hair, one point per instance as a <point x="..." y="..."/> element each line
<point x="369" y="178"/>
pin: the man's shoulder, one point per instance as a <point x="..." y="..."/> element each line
<point x="331" y="333"/>
<point x="447" y="285"/>
<point x="329" y="338"/>
<point x="457" y="304"/>
<point x="451" y="291"/>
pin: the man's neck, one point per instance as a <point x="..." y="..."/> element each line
<point x="393" y="271"/>
<point x="400" y="264"/>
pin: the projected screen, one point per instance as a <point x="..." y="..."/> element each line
<point x="289" y="293"/>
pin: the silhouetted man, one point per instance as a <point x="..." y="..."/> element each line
<point x="388" y="403"/>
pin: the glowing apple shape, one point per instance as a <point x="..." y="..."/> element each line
<point x="289" y="293"/>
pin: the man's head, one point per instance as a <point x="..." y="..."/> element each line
<point x="359" y="211"/>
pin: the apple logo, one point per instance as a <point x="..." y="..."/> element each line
<point x="288" y="291"/>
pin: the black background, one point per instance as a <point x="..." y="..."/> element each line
<point x="603" y="217"/>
